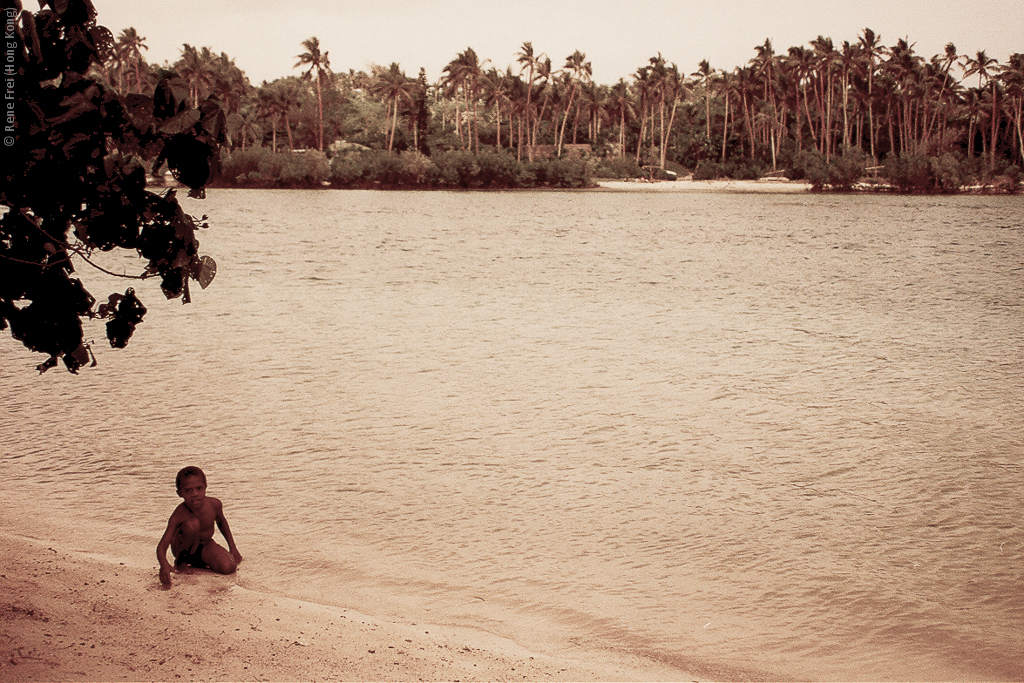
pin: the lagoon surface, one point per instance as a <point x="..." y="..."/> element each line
<point x="751" y="435"/>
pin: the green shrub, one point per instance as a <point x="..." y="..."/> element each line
<point x="747" y="169"/>
<point x="348" y="170"/>
<point x="308" y="169"/>
<point x="840" y="172"/>
<point x="377" y="168"/>
<point x="618" y="167"/>
<point x="1011" y="180"/>
<point x="260" y="167"/>
<point x="567" y="172"/>
<point x="846" y="169"/>
<point x="948" y="173"/>
<point x="809" y="165"/>
<point x="708" y="170"/>
<point x="384" y="168"/>
<point x="498" y="169"/>
<point x="242" y="167"/>
<point x="911" y="173"/>
<point x="418" y="169"/>
<point x="919" y="173"/>
<point x="456" y="169"/>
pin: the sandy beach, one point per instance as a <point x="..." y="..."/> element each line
<point x="68" y="615"/>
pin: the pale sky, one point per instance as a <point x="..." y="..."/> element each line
<point x="617" y="37"/>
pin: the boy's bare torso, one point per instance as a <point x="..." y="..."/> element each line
<point x="206" y="514"/>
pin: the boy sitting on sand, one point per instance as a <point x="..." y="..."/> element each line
<point x="189" y="532"/>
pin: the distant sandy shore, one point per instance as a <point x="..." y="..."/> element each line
<point x="68" y="615"/>
<point x="685" y="185"/>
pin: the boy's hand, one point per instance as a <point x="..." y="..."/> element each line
<point x="165" y="576"/>
<point x="237" y="555"/>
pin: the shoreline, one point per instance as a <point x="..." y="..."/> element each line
<point x="687" y="185"/>
<point x="70" y="615"/>
<point x="724" y="186"/>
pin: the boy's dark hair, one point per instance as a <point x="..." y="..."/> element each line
<point x="190" y="471"/>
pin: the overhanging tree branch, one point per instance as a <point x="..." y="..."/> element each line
<point x="76" y="163"/>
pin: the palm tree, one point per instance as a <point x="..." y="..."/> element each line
<point x="800" y="64"/>
<point x="196" y="67"/>
<point x="318" y="69"/>
<point x="704" y="74"/>
<point x="667" y="88"/>
<point x="1013" y="81"/>
<point x="499" y="88"/>
<point x="765" y="64"/>
<point x="746" y="90"/>
<point x="824" y="53"/>
<point x="578" y="71"/>
<point x="645" y="86"/>
<point x="597" y="107"/>
<point x="620" y="105"/>
<point x="870" y="49"/>
<point x="392" y="86"/>
<point x="248" y="126"/>
<point x="266" y="107"/>
<point x="726" y="86"/>
<point x="846" y="59"/>
<point x="290" y="93"/>
<point x="902" y="68"/>
<point x="450" y="87"/>
<point x="519" y="127"/>
<point x="129" y="46"/>
<point x="972" y="106"/>
<point x="986" y="67"/>
<point x="277" y="101"/>
<point x="947" y="83"/>
<point x="229" y="83"/>
<point x="464" y="75"/>
<point x="530" y="63"/>
<point x="545" y="77"/>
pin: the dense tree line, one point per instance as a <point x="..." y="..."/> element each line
<point x="787" y="110"/>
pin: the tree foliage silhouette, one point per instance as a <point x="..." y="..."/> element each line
<point x="74" y="182"/>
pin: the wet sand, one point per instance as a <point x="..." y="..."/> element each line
<point x="69" y="615"/>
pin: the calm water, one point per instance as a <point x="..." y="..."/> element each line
<point x="752" y="435"/>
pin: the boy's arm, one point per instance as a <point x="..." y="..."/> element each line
<point x="161" y="551"/>
<point x="225" y="530"/>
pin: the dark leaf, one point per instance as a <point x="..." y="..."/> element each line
<point x="129" y="314"/>
<point x="170" y="96"/>
<point x="140" y="110"/>
<point x="173" y="283"/>
<point x="77" y="358"/>
<point x="188" y="159"/>
<point x="50" y="362"/>
<point x="80" y="300"/>
<point x="213" y="121"/>
<point x="75" y="11"/>
<point x="182" y="123"/>
<point x="109" y="309"/>
<point x="204" y="270"/>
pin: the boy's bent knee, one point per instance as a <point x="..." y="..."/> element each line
<point x="220" y="561"/>
<point x="225" y="567"/>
